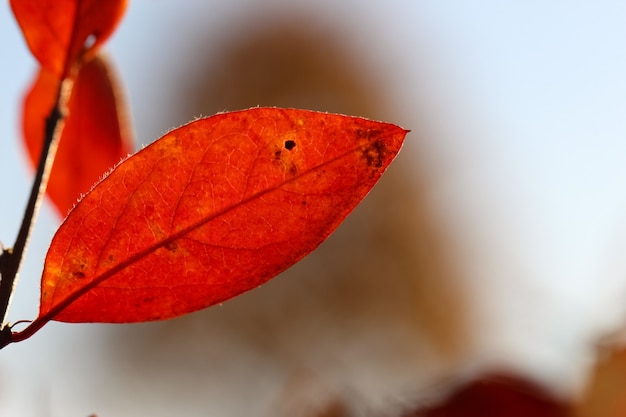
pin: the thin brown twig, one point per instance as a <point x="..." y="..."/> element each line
<point x="11" y="258"/>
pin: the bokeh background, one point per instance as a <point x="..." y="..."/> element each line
<point x="494" y="242"/>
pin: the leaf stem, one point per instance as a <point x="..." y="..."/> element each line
<point x="11" y="259"/>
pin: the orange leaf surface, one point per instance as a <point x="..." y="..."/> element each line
<point x="57" y="31"/>
<point x="210" y="210"/>
<point x="95" y="136"/>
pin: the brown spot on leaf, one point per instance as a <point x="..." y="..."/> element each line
<point x="375" y="154"/>
<point x="284" y="160"/>
<point x="171" y="246"/>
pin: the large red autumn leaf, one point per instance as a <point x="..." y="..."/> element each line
<point x="210" y="210"/>
<point x="58" y="32"/>
<point x="95" y="136"/>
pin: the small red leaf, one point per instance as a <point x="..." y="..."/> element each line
<point x="210" y="210"/>
<point x="57" y="31"/>
<point x="95" y="136"/>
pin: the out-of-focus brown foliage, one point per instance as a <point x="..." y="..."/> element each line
<point x="285" y="64"/>
<point x="605" y="394"/>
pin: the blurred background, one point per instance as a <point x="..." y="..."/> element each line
<point x="493" y="243"/>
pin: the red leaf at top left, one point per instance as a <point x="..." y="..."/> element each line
<point x="57" y="31"/>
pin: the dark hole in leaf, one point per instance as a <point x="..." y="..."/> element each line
<point x="290" y="144"/>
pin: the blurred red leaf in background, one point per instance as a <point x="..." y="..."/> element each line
<point x="210" y="210"/>
<point x="59" y="32"/>
<point x="497" y="395"/>
<point x="64" y="35"/>
<point x="95" y="136"/>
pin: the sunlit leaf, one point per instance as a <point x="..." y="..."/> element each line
<point x="57" y="31"/>
<point x="95" y="137"/>
<point x="210" y="210"/>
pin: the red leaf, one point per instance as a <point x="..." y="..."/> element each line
<point x="57" y="31"/>
<point x="210" y="210"/>
<point x="497" y="395"/>
<point x="95" y="136"/>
